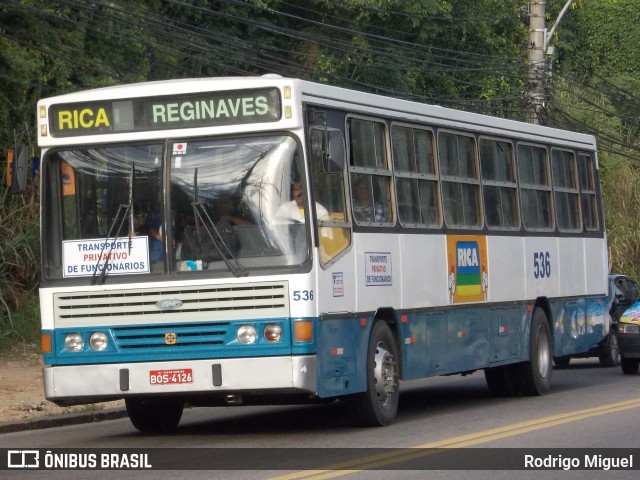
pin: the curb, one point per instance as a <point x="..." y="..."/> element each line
<point x="40" y="423"/>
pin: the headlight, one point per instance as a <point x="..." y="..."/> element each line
<point x="98" y="341"/>
<point x="247" y="334"/>
<point x="272" y="332"/>
<point x="74" y="342"/>
<point x="629" y="328"/>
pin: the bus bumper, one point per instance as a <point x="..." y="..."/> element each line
<point x="81" y="384"/>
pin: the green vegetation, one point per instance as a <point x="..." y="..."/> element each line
<point x="468" y="54"/>
<point x="596" y="89"/>
<point x="622" y="216"/>
<point x="19" y="267"/>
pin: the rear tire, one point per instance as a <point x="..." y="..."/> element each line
<point x="537" y="372"/>
<point x="154" y="415"/>
<point x="630" y="365"/>
<point x="610" y="351"/>
<point x="378" y="405"/>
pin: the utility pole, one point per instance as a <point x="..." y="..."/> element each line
<point x="539" y="40"/>
<point x="536" y="57"/>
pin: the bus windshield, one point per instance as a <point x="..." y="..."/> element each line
<point x="186" y="207"/>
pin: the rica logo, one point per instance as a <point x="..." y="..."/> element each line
<point x="468" y="275"/>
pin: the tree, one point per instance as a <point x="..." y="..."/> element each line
<point x="596" y="90"/>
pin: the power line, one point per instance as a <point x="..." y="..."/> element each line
<point x="266" y="63"/>
<point x="190" y="46"/>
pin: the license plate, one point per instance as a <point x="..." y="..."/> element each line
<point x="168" y="377"/>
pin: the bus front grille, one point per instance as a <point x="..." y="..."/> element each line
<point x="172" y="304"/>
<point x="180" y="336"/>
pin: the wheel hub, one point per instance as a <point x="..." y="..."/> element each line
<point x="384" y="374"/>
<point x="544" y="357"/>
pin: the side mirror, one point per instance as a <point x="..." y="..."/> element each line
<point x="19" y="170"/>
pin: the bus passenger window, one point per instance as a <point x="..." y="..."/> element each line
<point x="500" y="191"/>
<point x="565" y="186"/>
<point x="415" y="176"/>
<point x="460" y="181"/>
<point x="370" y="172"/>
<point x="535" y="187"/>
<point x="588" y="193"/>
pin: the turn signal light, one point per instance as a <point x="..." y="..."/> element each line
<point x="45" y="343"/>
<point x="303" y="331"/>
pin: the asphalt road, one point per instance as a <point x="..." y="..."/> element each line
<point x="590" y="408"/>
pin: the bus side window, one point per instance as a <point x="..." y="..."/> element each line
<point x="535" y="187"/>
<point x="460" y="180"/>
<point x="500" y="191"/>
<point x="566" y="194"/>
<point x="415" y="176"/>
<point x="370" y="172"/>
<point x="588" y="194"/>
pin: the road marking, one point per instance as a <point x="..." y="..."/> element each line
<point x="427" y="449"/>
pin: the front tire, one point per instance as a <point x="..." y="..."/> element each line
<point x="537" y="372"/>
<point x="610" y="351"/>
<point x="154" y="415"/>
<point x="630" y="365"/>
<point x="378" y="405"/>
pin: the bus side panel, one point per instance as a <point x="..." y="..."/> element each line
<point x="460" y="340"/>
<point x="378" y="271"/>
<point x="336" y="286"/>
<point x="423" y="271"/>
<point x="596" y="265"/>
<point x="485" y="336"/>
<point x="506" y="274"/>
<point x="571" y="266"/>
<point x="542" y="277"/>
<point x="342" y="353"/>
<point x="467" y="340"/>
<point x="507" y="327"/>
<point x="423" y="344"/>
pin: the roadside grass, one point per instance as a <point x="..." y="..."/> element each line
<point x="19" y="266"/>
<point x="622" y="216"/>
<point x="21" y="326"/>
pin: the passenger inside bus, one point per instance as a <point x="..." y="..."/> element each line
<point x="364" y="207"/>
<point x="150" y="225"/>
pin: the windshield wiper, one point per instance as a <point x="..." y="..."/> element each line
<point x="201" y="215"/>
<point x="122" y="207"/>
<point x="128" y="209"/>
<point x="227" y="255"/>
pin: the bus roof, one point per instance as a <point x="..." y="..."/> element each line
<point x="337" y="97"/>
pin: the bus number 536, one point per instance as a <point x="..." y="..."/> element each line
<point x="541" y="265"/>
<point x="304" y="295"/>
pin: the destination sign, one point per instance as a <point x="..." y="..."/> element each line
<point x="204" y="109"/>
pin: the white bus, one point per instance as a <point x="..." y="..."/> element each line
<point x="243" y="240"/>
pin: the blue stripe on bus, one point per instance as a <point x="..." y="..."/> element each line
<point x="194" y="340"/>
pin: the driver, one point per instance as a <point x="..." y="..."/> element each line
<point x="294" y="210"/>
